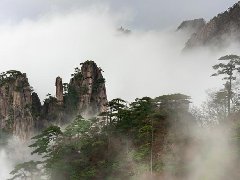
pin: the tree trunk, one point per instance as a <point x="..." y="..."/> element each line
<point x="229" y="95"/>
<point x="151" y="161"/>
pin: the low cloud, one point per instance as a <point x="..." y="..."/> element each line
<point x="144" y="63"/>
<point x="149" y="14"/>
<point x="14" y="152"/>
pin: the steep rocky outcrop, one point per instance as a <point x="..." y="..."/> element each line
<point x="192" y="26"/>
<point x="59" y="90"/>
<point x="219" y="30"/>
<point x="53" y="111"/>
<point x="16" y="104"/>
<point x="22" y="114"/>
<point x="84" y="95"/>
<point x="89" y="85"/>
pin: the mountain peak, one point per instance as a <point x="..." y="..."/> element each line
<point x="218" y="30"/>
<point x="21" y="112"/>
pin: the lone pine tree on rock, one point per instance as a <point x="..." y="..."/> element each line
<point x="228" y="69"/>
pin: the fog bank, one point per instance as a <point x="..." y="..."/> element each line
<point x="144" y="63"/>
<point x="16" y="151"/>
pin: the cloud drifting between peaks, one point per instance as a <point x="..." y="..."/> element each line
<point x="144" y="63"/>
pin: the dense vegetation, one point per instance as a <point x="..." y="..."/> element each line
<point x="146" y="138"/>
<point x="119" y="144"/>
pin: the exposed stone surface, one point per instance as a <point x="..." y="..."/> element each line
<point x="218" y="30"/>
<point x="22" y="114"/>
<point x="85" y="96"/>
<point x="15" y="104"/>
<point x="59" y="90"/>
<point x="192" y="26"/>
<point x="90" y="86"/>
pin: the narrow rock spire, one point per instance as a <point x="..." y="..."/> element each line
<point x="59" y="90"/>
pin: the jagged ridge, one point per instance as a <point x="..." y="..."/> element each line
<point x="226" y="24"/>
<point x="192" y="26"/>
<point x="21" y="112"/>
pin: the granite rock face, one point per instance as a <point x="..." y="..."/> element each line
<point x="90" y="87"/>
<point x="22" y="114"/>
<point x="84" y="95"/>
<point x="16" y="104"/>
<point x="219" y="30"/>
<point x="59" y="90"/>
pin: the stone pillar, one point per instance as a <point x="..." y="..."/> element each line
<point x="59" y="90"/>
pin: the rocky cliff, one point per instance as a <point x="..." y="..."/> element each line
<point x="219" y="30"/>
<point x="16" y="104"/>
<point x="90" y="87"/>
<point x="192" y="26"/>
<point x="21" y="112"/>
<point x="84" y="95"/>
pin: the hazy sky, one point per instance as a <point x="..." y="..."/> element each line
<point x="49" y="38"/>
<point x="146" y="14"/>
